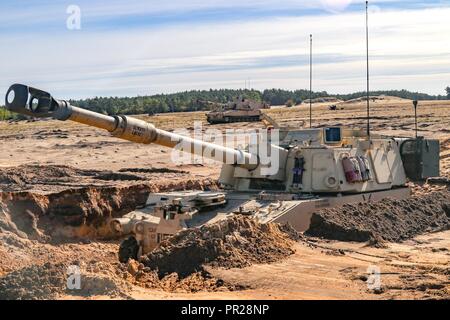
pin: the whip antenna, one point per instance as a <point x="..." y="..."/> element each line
<point x="368" y="81"/>
<point x="310" y="80"/>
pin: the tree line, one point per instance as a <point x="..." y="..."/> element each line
<point x="195" y="100"/>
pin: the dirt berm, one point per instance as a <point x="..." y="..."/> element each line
<point x="234" y="243"/>
<point x="49" y="281"/>
<point x="389" y="220"/>
<point x="79" y="202"/>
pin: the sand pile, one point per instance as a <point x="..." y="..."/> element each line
<point x="86" y="202"/>
<point x="25" y="271"/>
<point x="137" y="274"/>
<point x="389" y="220"/>
<point x="33" y="283"/>
<point x="19" y="214"/>
<point x="17" y="253"/>
<point x="431" y="185"/>
<point x="323" y="100"/>
<point x="379" y="98"/>
<point x="182" y="261"/>
<point x="50" y="281"/>
<point x="233" y="243"/>
<point x="47" y="217"/>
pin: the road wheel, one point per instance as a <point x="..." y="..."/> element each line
<point x="128" y="250"/>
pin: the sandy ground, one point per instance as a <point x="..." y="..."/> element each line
<point x="54" y="142"/>
<point x="416" y="269"/>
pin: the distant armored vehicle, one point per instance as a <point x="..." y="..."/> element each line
<point x="315" y="169"/>
<point x="239" y="110"/>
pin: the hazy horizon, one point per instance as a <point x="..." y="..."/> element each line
<point x="330" y="94"/>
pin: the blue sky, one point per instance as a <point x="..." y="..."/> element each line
<point x="127" y="48"/>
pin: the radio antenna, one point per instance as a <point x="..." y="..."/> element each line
<point x="415" y="103"/>
<point x="310" y="79"/>
<point x="368" y="81"/>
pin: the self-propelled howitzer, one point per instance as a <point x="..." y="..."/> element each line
<point x="306" y="170"/>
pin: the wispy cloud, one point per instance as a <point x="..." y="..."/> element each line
<point x="121" y="50"/>
<point x="27" y="15"/>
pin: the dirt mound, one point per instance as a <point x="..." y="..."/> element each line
<point x="19" y="214"/>
<point x="375" y="99"/>
<point x="137" y="274"/>
<point x="41" y="217"/>
<point x="389" y="220"/>
<point x="50" y="280"/>
<point x="431" y="185"/>
<point x="233" y="243"/>
<point x="17" y="252"/>
<point x="77" y="211"/>
<point x="33" y="283"/>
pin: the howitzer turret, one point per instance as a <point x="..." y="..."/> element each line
<point x="306" y="170"/>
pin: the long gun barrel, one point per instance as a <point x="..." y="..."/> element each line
<point x="37" y="103"/>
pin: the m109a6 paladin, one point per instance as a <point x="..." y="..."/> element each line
<point x="315" y="168"/>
